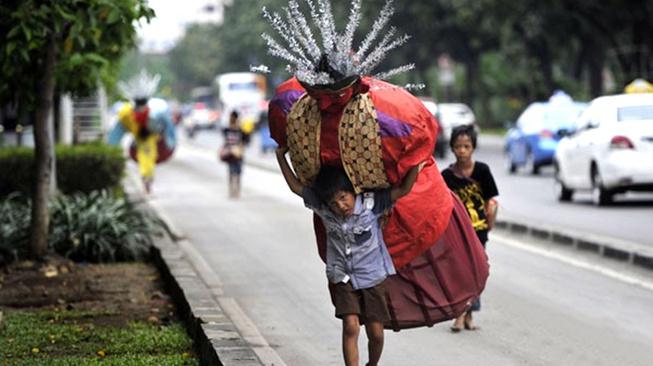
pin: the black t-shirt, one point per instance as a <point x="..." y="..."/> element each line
<point x="474" y="191"/>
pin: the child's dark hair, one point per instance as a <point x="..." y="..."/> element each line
<point x="234" y="114"/>
<point x="463" y="130"/>
<point x="331" y="180"/>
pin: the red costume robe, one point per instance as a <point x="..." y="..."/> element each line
<point x="441" y="266"/>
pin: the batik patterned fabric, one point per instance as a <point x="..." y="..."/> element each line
<point x="359" y="138"/>
<point x="360" y="145"/>
<point x="303" y="131"/>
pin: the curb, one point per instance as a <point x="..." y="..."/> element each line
<point x="609" y="247"/>
<point x="214" y="335"/>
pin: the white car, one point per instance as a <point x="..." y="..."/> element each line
<point x="444" y="129"/>
<point x="610" y="151"/>
<point x="448" y="116"/>
<point x="201" y="117"/>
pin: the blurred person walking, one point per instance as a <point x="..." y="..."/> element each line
<point x="149" y="121"/>
<point x="473" y="183"/>
<point x="232" y="152"/>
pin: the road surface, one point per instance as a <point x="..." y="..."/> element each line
<point x="537" y="309"/>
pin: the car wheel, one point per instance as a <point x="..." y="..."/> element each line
<point x="441" y="147"/>
<point x="563" y="194"/>
<point x="511" y="167"/>
<point x="600" y="195"/>
<point x="190" y="132"/>
<point x="530" y="166"/>
<point x="441" y="152"/>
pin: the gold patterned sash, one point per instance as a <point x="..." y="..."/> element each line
<point x="358" y="134"/>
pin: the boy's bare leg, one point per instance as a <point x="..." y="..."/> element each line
<point x="374" y="330"/>
<point x="350" y="331"/>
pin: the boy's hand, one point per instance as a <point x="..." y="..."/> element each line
<point x="383" y="220"/>
<point x="421" y="166"/>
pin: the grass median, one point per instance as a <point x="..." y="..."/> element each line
<point x="66" y="313"/>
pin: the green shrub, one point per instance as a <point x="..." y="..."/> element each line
<point x="99" y="227"/>
<point x="86" y="168"/>
<point x="95" y="227"/>
<point x="16" y="170"/>
<point x="80" y="168"/>
<point x="14" y="227"/>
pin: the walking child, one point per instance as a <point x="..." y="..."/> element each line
<point x="232" y="152"/>
<point x="473" y="183"/>
<point x="357" y="260"/>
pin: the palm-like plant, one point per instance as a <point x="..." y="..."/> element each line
<point x="95" y="227"/>
<point x="100" y="227"/>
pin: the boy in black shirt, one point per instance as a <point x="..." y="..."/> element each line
<point x="474" y="184"/>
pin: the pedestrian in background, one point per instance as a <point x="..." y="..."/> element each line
<point x="357" y="259"/>
<point x="232" y="152"/>
<point x="473" y="183"/>
<point x="149" y="121"/>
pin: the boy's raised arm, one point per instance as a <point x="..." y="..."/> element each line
<point x="293" y="183"/>
<point x="407" y="184"/>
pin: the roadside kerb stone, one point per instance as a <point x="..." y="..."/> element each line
<point x="204" y="318"/>
<point x="242" y="356"/>
<point x="608" y="247"/>
<point x="216" y="338"/>
<point x="588" y="246"/>
<point x="644" y="260"/>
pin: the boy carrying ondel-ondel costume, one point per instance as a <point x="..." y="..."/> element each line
<point x="336" y="112"/>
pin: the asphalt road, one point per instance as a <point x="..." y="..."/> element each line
<point x="530" y="198"/>
<point x="537" y="309"/>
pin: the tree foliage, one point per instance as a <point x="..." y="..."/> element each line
<point x="197" y="58"/>
<point x="509" y="54"/>
<point x="90" y="35"/>
<point x="65" y="45"/>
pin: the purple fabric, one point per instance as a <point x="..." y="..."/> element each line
<point x="391" y="127"/>
<point x="286" y="99"/>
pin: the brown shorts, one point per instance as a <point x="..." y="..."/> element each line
<point x="369" y="303"/>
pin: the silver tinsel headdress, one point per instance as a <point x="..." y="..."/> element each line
<point x="335" y="60"/>
<point x="141" y="86"/>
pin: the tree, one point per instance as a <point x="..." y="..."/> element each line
<point x="69" y="45"/>
<point x="196" y="59"/>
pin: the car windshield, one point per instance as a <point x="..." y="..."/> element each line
<point x="550" y="116"/>
<point x="558" y="116"/>
<point x="635" y="113"/>
<point x="243" y="86"/>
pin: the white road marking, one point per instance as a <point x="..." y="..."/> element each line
<point x="573" y="262"/>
